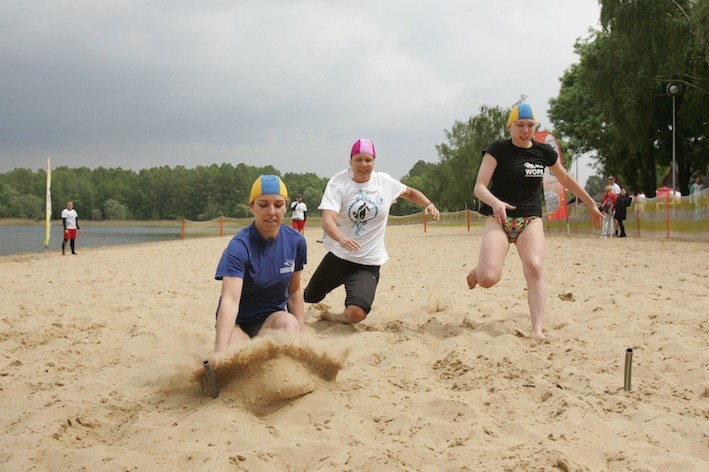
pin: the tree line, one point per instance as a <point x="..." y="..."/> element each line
<point x="206" y="192"/>
<point x="612" y="103"/>
<point x="159" y="193"/>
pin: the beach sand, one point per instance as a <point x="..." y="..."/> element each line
<point x="97" y="350"/>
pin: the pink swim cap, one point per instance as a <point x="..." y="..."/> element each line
<point x="363" y="146"/>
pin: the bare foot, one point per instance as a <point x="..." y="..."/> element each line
<point x="327" y="316"/>
<point x="321" y="306"/>
<point x="324" y="310"/>
<point x="472" y="279"/>
<point x="539" y="336"/>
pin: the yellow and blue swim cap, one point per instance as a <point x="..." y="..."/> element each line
<point x="268" y="185"/>
<point x="520" y="111"/>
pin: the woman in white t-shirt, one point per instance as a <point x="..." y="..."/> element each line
<point x="355" y="209"/>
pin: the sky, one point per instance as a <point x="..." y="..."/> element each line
<point x="148" y="83"/>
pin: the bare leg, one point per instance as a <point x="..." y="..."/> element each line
<point x="493" y="250"/>
<point x="530" y="245"/>
<point x="283" y="321"/>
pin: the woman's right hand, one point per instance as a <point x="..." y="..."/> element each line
<point x="350" y="244"/>
<point x="197" y="373"/>
<point x="214" y="359"/>
<point x="499" y="211"/>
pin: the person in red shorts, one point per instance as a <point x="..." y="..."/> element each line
<point x="299" y="215"/>
<point x="70" y="220"/>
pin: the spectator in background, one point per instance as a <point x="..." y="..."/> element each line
<point x="299" y="215"/>
<point x="615" y="186"/>
<point x="70" y="220"/>
<point x="608" y="211"/>
<point x="695" y="191"/>
<point x="621" y="207"/>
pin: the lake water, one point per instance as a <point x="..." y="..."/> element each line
<point x="18" y="239"/>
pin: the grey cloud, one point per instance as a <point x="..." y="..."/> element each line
<point x="139" y="84"/>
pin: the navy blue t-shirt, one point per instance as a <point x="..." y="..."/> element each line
<point x="266" y="268"/>
<point x="518" y="177"/>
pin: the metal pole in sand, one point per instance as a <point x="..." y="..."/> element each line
<point x="211" y="379"/>
<point x="628" y="368"/>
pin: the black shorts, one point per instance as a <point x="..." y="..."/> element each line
<point x="360" y="281"/>
<point x="251" y="328"/>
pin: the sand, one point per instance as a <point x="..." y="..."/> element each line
<point x="97" y="350"/>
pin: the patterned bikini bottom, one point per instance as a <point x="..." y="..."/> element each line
<point x="514" y="225"/>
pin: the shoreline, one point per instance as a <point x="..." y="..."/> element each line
<point x="29" y="239"/>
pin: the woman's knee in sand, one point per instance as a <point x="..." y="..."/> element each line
<point x="284" y="322"/>
<point x="355" y="314"/>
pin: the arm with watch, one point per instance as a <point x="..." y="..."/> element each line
<point x="417" y="197"/>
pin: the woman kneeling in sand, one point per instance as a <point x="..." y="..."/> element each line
<point x="260" y="273"/>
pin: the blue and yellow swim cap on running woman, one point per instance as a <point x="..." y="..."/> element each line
<point x="520" y="111"/>
<point x="268" y="185"/>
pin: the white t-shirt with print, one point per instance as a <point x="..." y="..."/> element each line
<point x="299" y="209"/>
<point x="70" y="216"/>
<point x="363" y="211"/>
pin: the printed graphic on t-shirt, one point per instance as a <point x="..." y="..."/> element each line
<point x="533" y="170"/>
<point x="362" y="210"/>
<point x="288" y="266"/>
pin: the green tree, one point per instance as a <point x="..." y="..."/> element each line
<point x="8" y="195"/>
<point x="594" y="186"/>
<point x="25" y="181"/>
<point x="115" y="210"/>
<point x="114" y="184"/>
<point x="461" y="155"/>
<point x="423" y="177"/>
<point x="155" y="193"/>
<point x="614" y="102"/>
<point x="211" y="210"/>
<point x="241" y="211"/>
<point x="28" y="206"/>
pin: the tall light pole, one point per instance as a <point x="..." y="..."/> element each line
<point x="673" y="90"/>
